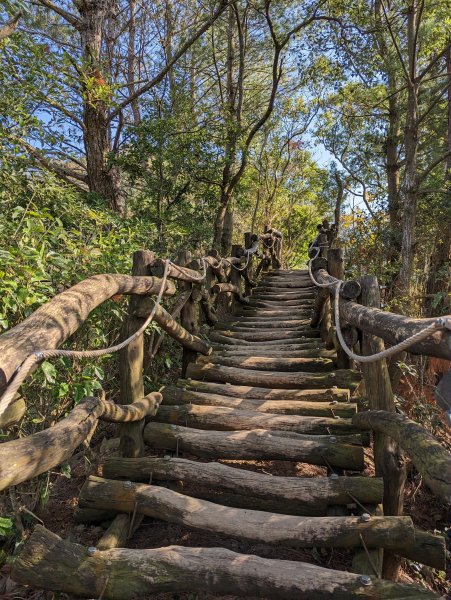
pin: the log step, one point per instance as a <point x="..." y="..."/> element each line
<point x="393" y="533"/>
<point x="257" y="444"/>
<point x="248" y="489"/>
<point x="283" y="407"/>
<point x="266" y="363"/>
<point x="49" y="562"/>
<point x="342" y="378"/>
<point x="244" y="391"/>
<point x="224" y="418"/>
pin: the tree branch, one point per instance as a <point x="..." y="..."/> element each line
<point x="184" y="48"/>
<point x="67" y="16"/>
<point x="422" y="176"/>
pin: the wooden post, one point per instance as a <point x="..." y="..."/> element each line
<point x="388" y="456"/>
<point x="131" y="363"/>
<point x="189" y="315"/>
<point x="235" y="277"/>
<point x="335" y="265"/>
<point x="249" y="269"/>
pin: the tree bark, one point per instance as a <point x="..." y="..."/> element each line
<point x="49" y="562"/>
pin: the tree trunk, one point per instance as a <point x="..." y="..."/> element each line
<point x="103" y="179"/>
<point x="405" y="278"/>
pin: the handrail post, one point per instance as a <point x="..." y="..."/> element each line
<point x="131" y="363"/>
<point x="388" y="456"/>
<point x="335" y="266"/>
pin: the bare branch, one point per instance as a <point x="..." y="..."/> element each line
<point x="181" y="51"/>
<point x="67" y="16"/>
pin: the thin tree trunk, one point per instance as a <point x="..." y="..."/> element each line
<point x="102" y="178"/>
<point x="405" y="279"/>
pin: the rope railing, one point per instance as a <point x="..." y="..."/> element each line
<point x="36" y="357"/>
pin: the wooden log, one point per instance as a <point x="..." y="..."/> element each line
<point x="223" y="418"/>
<point x="242" y="391"/>
<point x="25" y="458"/>
<point x="283" y="407"/>
<point x="284" y="304"/>
<point x="176" y="331"/>
<point x="341" y="378"/>
<point x="225" y="339"/>
<point x="51" y="324"/>
<point x="221" y="288"/>
<point x="175" y="312"/>
<point x="428" y="549"/>
<point x="428" y="455"/>
<point x="271" y="528"/>
<point x="140" y="409"/>
<point x="289" y="495"/>
<point x="394" y="328"/>
<point x="50" y="563"/>
<point x="13" y="413"/>
<point x="257" y="444"/>
<point x="265" y="363"/>
<point x="180" y="272"/>
<point x="117" y="533"/>
<point x="208" y="308"/>
<point x="265" y="324"/>
<point x="366" y="561"/>
<point x="257" y="336"/>
<point x="267" y="353"/>
<point x="189" y="316"/>
<point x="131" y="361"/>
<point x="388" y="458"/>
<point x="249" y="350"/>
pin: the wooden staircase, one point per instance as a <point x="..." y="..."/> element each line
<point x="268" y="392"/>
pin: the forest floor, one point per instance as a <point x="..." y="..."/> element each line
<point x="57" y="515"/>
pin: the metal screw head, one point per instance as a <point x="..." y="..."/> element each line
<point x="175" y="407"/>
<point x="335" y="387"/>
<point x="167" y="457"/>
<point x="127" y="485"/>
<point x="333" y="476"/>
<point x="334" y="401"/>
<point x="333" y="439"/>
<point x="332" y="374"/>
<point x="365" y="517"/>
<point x="365" y="579"/>
<point x="91" y="550"/>
<point x="173" y="426"/>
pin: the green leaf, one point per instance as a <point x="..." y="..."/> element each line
<point x="49" y="371"/>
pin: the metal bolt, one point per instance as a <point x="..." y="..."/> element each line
<point x="332" y="374"/>
<point x="334" y="401"/>
<point x="127" y="484"/>
<point x="335" y="387"/>
<point x="167" y="457"/>
<point x="173" y="426"/>
<point x="175" y="407"/>
<point x="333" y="439"/>
<point x="333" y="476"/>
<point x="365" y="517"/>
<point x="91" y="550"/>
<point x="365" y="580"/>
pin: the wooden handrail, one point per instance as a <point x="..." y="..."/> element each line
<point x="54" y="322"/>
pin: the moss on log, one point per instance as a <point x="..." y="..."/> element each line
<point x="431" y="459"/>
<point x="257" y="444"/>
<point x="283" y="407"/>
<point x="271" y="528"/>
<point x="28" y="457"/>
<point x="54" y="564"/>
<point x="244" y="391"/>
<point x="288" y="495"/>
<point x="222" y="418"/>
<point x="175" y="330"/>
<point x="266" y="363"/>
<point x="51" y="325"/>
<point x="342" y="378"/>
